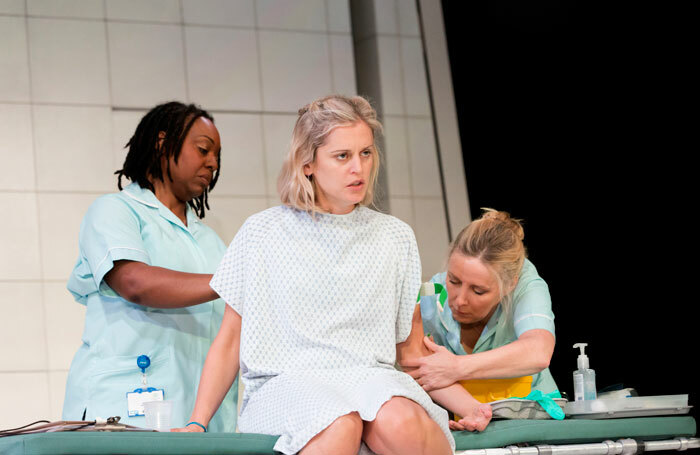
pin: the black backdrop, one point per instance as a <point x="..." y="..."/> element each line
<point x="574" y="120"/>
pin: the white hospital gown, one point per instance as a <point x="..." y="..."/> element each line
<point x="323" y="304"/>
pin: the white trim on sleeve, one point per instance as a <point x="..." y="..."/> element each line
<point x="118" y="248"/>
<point x="533" y="315"/>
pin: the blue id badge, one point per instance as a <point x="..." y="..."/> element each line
<point x="136" y="399"/>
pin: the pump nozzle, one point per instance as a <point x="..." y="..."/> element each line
<point x="582" y="360"/>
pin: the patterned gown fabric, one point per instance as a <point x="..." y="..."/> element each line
<point x="323" y="301"/>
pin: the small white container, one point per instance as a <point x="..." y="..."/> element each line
<point x="158" y="414"/>
<point x="628" y="407"/>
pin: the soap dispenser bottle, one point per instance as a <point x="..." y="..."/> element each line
<point x="584" y="377"/>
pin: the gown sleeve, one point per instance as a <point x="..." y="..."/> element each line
<point x="409" y="285"/>
<point x="229" y="280"/>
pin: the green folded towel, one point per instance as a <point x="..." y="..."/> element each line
<point x="547" y="402"/>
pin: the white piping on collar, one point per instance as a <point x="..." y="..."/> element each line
<point x="155" y="206"/>
<point x="195" y="218"/>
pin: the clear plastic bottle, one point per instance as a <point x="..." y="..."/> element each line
<point x="584" y="377"/>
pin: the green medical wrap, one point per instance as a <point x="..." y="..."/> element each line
<point x="499" y="433"/>
<point x="139" y="443"/>
<point x="546" y="400"/>
<point x="502" y="433"/>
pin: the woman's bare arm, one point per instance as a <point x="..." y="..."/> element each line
<point x="220" y="370"/>
<point x="453" y="397"/>
<point x="527" y="355"/>
<point x="159" y="287"/>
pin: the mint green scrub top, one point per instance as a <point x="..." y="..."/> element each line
<point x="532" y="309"/>
<point x="134" y="225"/>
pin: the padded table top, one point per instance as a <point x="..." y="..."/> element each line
<point x="499" y="433"/>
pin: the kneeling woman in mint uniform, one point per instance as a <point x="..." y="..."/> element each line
<point x="143" y="272"/>
<point x="495" y="320"/>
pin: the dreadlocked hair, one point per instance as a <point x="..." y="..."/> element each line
<point x="160" y="134"/>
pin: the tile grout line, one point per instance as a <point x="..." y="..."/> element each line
<point x="264" y="155"/>
<point x="433" y="121"/>
<point x="190" y="24"/>
<point x="262" y="100"/>
<point x="109" y="82"/>
<point x="181" y="24"/>
<point x="259" y="58"/>
<point x="329" y="43"/>
<point x="31" y="280"/>
<point x="101" y="192"/>
<point x="216" y="111"/>
<point x="145" y="109"/>
<point x="53" y="370"/>
<point x="37" y="210"/>
<point x="404" y="118"/>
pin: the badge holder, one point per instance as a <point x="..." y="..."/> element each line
<point x="136" y="399"/>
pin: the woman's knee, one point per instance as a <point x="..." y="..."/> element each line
<point x="402" y="426"/>
<point x="404" y="418"/>
<point x="344" y="435"/>
<point x="350" y="425"/>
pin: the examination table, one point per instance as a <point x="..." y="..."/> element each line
<point x="543" y="437"/>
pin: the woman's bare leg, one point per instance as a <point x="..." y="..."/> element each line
<point x="342" y="437"/>
<point x="403" y="427"/>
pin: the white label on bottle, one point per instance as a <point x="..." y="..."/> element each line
<point x="578" y="387"/>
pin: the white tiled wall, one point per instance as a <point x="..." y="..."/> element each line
<point x="72" y="148"/>
<point x="22" y="324"/>
<point x="66" y="8"/>
<point x="288" y="77"/>
<point x="19" y="231"/>
<point x="17" y="171"/>
<point x="237" y="13"/>
<point x="147" y="63"/>
<point x="14" y="66"/>
<point x="226" y="84"/>
<point x="67" y="61"/>
<point x="412" y="171"/>
<point x="77" y="75"/>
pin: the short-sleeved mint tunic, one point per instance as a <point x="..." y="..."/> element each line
<point x="134" y="225"/>
<point x="532" y="309"/>
<point x="323" y="304"/>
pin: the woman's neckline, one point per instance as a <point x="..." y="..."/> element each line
<point x="350" y="214"/>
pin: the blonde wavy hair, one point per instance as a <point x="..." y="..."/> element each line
<point x="497" y="240"/>
<point x="315" y="122"/>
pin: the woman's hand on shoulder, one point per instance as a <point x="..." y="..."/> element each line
<point x="435" y="371"/>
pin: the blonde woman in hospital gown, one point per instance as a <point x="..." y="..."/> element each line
<point x="321" y="295"/>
